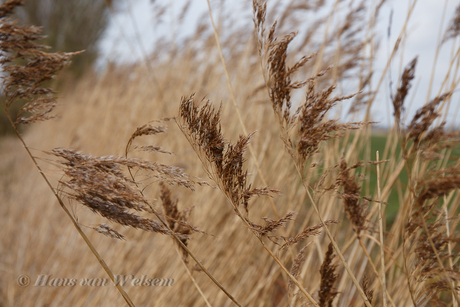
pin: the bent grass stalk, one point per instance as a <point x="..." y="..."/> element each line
<point x="382" y="253"/>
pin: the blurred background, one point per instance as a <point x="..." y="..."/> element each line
<point x="145" y="24"/>
<point x="120" y="32"/>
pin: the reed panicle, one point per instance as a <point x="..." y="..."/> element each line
<point x="327" y="293"/>
<point x="99" y="184"/>
<point x="24" y="81"/>
<point x="176" y="219"/>
<point x="454" y="27"/>
<point x="222" y="160"/>
<point x="306" y="233"/>
<point x="297" y="264"/>
<point x="365" y="284"/>
<point x="426" y="246"/>
<point x="403" y="89"/>
<point x="271" y="225"/>
<point x="424" y="118"/>
<point x="356" y="211"/>
<point x="109" y="232"/>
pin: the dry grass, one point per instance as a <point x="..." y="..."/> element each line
<point x="294" y="245"/>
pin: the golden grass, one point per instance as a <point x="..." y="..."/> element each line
<point x="308" y="156"/>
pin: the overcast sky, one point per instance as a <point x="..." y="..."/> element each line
<point x="121" y="43"/>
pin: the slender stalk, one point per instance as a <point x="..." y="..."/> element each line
<point x="361" y="243"/>
<point x="382" y="252"/>
<point x="438" y="48"/>
<point x="193" y="279"/>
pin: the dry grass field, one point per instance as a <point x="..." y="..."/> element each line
<point x="281" y="201"/>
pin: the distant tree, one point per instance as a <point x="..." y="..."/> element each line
<point x="70" y="26"/>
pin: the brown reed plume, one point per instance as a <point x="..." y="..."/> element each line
<point x="176" y="219"/>
<point x="23" y="82"/>
<point x="454" y="27"/>
<point x="365" y="284"/>
<point x="356" y="211"/>
<point x="222" y="160"/>
<point x="306" y="233"/>
<point x="298" y="262"/>
<point x="99" y="184"/>
<point x="109" y="232"/>
<point x="327" y="293"/>
<point x="25" y="67"/>
<point x="403" y="90"/>
<point x="102" y="185"/>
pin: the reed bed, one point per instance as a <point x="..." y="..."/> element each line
<point x="225" y="168"/>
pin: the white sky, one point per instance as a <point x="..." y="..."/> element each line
<point x="122" y="44"/>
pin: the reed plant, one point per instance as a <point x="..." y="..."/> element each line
<point x="232" y="174"/>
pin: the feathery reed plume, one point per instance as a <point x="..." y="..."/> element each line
<point x="328" y="277"/>
<point x="112" y="165"/>
<point x="355" y="210"/>
<point x="428" y="141"/>
<point x="441" y="182"/>
<point x="304" y="130"/>
<point x="424" y="118"/>
<point x="312" y="129"/>
<point x="22" y="82"/>
<point x="365" y="284"/>
<point x="222" y="160"/>
<point x="109" y="232"/>
<point x="100" y="184"/>
<point x="426" y="229"/>
<point x="8" y="7"/>
<point x="306" y="233"/>
<point x="271" y="225"/>
<point x="423" y="236"/>
<point x="403" y="89"/>
<point x="177" y="220"/>
<point x="454" y="27"/>
<point x="296" y="265"/>
<point x="148" y="129"/>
